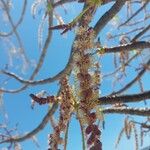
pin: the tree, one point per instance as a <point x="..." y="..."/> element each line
<point x="111" y="46"/>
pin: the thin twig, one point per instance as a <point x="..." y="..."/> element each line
<point x="137" y="12"/>
<point x="19" y="21"/>
<point x="22" y="51"/>
<point x="41" y="59"/>
<point x="36" y="130"/>
<point x="67" y="69"/>
<point x="128" y="85"/>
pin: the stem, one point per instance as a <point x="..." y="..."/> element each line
<point x="66" y="136"/>
<point x="80" y="15"/>
<point x="82" y="133"/>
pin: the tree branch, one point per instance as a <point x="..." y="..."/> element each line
<point x="127" y="47"/>
<point x="61" y="2"/>
<point x="41" y="59"/>
<point x="141" y="33"/>
<point x="19" y="21"/>
<point x="21" y="49"/>
<point x="125" y="110"/>
<point x="124" y="98"/>
<point x="66" y="70"/>
<point x="139" y="75"/>
<point x="108" y="15"/>
<point x="137" y="12"/>
<point x="36" y="130"/>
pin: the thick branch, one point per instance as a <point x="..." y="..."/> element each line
<point x="108" y="15"/>
<point x="139" y="45"/>
<point x="128" y="47"/>
<point x="124" y="98"/>
<point x="125" y="110"/>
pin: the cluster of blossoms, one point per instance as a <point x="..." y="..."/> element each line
<point x="93" y="133"/>
<point x="88" y="77"/>
<point x="89" y="80"/>
<point x="66" y="109"/>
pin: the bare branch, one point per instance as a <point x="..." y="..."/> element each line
<point x="124" y="98"/>
<point x="137" y="12"/>
<point x="41" y="59"/>
<point x="120" y="67"/>
<point x="61" y="2"/>
<point x="139" y="75"/>
<point x="108" y="15"/>
<point x="36" y="130"/>
<point x="22" y="51"/>
<point x="125" y="110"/>
<point x="128" y="47"/>
<point x="19" y="21"/>
<point x="141" y="33"/>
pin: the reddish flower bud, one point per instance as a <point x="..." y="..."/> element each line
<point x="96" y="131"/>
<point x="89" y="129"/>
<point x="98" y="146"/>
<point x="87" y="93"/>
<point x="91" y="139"/>
<point x="92" y="115"/>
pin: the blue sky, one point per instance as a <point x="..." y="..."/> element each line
<point x="18" y="106"/>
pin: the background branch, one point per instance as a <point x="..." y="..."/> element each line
<point x="19" y="21"/>
<point x="127" y="47"/>
<point x="139" y="75"/>
<point x="41" y="59"/>
<point x="36" y="130"/>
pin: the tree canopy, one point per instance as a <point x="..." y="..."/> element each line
<point x="74" y="59"/>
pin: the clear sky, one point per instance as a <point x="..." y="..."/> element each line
<point x="18" y="106"/>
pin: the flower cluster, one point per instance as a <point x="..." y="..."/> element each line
<point x="84" y="63"/>
<point x="88" y="76"/>
<point x="93" y="133"/>
<point x="66" y="108"/>
<point x="83" y="100"/>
